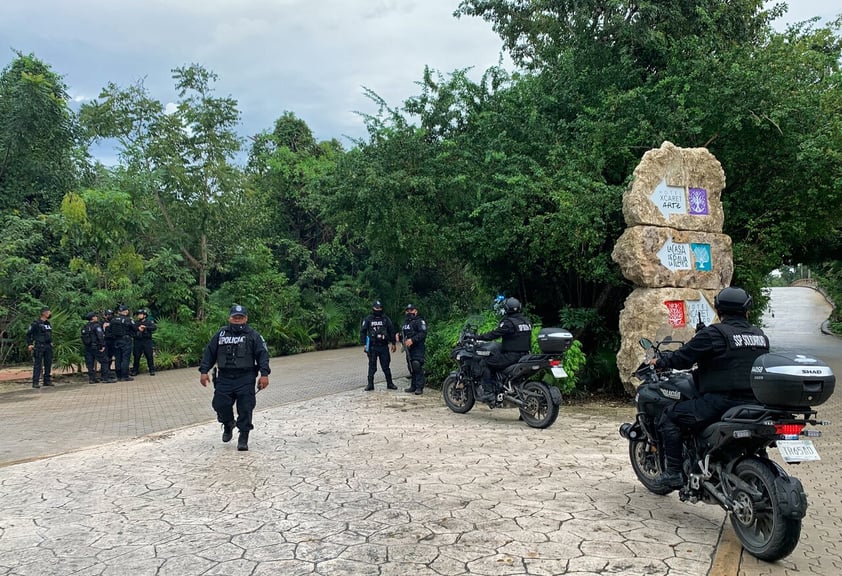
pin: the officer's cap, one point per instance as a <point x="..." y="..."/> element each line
<point x="91" y="315"/>
<point x="122" y="307"/>
<point x="410" y="307"/>
<point x="377" y="305"/>
<point x="109" y="312"/>
<point x="237" y="310"/>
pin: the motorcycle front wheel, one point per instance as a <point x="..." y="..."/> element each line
<point x="458" y="396"/>
<point x="539" y="409"/>
<point x="760" y="525"/>
<point x="646" y="464"/>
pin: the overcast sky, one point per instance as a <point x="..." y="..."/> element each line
<point x="311" y="57"/>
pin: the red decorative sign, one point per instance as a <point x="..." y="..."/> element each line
<point x="676" y="313"/>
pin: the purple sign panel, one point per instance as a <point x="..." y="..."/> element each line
<point x="698" y="204"/>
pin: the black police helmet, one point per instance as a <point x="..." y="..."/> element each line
<point x="90" y="316"/>
<point x="122" y="308"/>
<point x="732" y="300"/>
<point x="142" y="311"/>
<point x="512" y="305"/>
<point x="377" y="305"/>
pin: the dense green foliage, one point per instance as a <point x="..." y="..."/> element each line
<point x="509" y="184"/>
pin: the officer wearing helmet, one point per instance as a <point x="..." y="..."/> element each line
<point x="515" y="332"/>
<point x="144" y="328"/>
<point x="723" y="353"/>
<point x="377" y="333"/>
<point x="413" y="335"/>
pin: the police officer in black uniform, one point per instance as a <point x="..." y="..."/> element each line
<point x="122" y="329"/>
<point x="240" y="353"/>
<point x="515" y="330"/>
<point x="93" y="339"/>
<point x="144" y="328"/>
<point x="107" y="316"/>
<point x="39" y="340"/>
<point x="377" y="333"/>
<point x="724" y="354"/>
<point x="413" y="334"/>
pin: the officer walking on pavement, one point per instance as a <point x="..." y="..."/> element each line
<point x="39" y="340"/>
<point x="93" y="339"/>
<point x="413" y="334"/>
<point x="144" y="328"/>
<point x="122" y="330"/>
<point x="240" y="353"/>
<point x="377" y="333"/>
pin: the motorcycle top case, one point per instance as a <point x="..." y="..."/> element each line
<point x="554" y="340"/>
<point x="791" y="379"/>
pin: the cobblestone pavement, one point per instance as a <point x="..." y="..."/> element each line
<point x="358" y="483"/>
<point x="337" y="481"/>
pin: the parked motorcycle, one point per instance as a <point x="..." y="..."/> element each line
<point x="727" y="463"/>
<point x="521" y="382"/>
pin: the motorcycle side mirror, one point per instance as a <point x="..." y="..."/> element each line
<point x="645" y="343"/>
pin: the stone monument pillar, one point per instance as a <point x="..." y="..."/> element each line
<point x="673" y="249"/>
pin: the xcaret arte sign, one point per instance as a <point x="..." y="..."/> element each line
<point x="680" y="200"/>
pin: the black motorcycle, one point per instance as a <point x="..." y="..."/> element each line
<point x="727" y="463"/>
<point x="520" y="383"/>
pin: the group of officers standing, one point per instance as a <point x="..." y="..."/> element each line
<point x="118" y="338"/>
<point x="112" y="338"/>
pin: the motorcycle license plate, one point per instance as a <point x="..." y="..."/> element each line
<point x="797" y="450"/>
<point x="558" y="372"/>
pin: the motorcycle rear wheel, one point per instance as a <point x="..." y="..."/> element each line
<point x="761" y="527"/>
<point x="458" y="397"/>
<point x="539" y="409"/>
<point x="646" y="463"/>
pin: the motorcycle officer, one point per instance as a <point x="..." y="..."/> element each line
<point x="724" y="353"/>
<point x="515" y="331"/>
<point x="413" y="333"/>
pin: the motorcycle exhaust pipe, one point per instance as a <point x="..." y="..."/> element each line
<point x="629" y="432"/>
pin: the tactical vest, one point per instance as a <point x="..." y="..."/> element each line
<point x="42" y="332"/>
<point x="521" y="339"/>
<point x="377" y="330"/>
<point x="120" y="326"/>
<point x="88" y="334"/>
<point x="235" y="350"/>
<point x="728" y="372"/>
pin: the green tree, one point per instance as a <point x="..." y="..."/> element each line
<point x="181" y="166"/>
<point x="39" y="157"/>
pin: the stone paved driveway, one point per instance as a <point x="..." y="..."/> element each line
<point x="356" y="483"/>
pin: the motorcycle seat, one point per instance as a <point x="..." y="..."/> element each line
<point x="532" y="358"/>
<point x="744" y="412"/>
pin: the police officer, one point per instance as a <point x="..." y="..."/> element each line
<point x="515" y="330"/>
<point x="39" y="340"/>
<point x="107" y="316"/>
<point x="93" y="339"/>
<point x="413" y="334"/>
<point x="240" y="353"/>
<point x="121" y="328"/>
<point x="377" y="333"/>
<point x="144" y="328"/>
<point x="724" y="354"/>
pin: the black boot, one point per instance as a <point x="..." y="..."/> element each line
<point x="410" y="390"/>
<point x="243" y="441"/>
<point x="227" y="431"/>
<point x="391" y="386"/>
<point x="671" y="478"/>
<point x="369" y="388"/>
